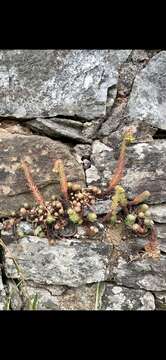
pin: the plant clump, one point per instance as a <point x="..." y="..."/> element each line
<point x="75" y="205"/>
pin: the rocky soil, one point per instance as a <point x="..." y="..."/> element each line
<point x="75" y="105"/>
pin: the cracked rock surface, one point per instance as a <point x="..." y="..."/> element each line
<point x="69" y="262"/>
<point x="40" y="153"/>
<point x="148" y="99"/>
<point x="145" y="168"/>
<point x="46" y="83"/>
<point x="146" y="274"/>
<point x="121" y="298"/>
<point x="74" y="105"/>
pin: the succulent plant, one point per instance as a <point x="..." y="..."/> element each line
<point x="130" y="219"/>
<point x="75" y="203"/>
<point x="74" y="217"/>
<point x="50" y="219"/>
<point x="91" y="216"/>
<point x="147" y="213"/>
<point x="144" y="207"/>
<point x="141" y="214"/>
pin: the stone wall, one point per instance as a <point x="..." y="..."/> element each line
<point x="75" y="104"/>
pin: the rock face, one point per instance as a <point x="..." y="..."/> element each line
<point x="74" y="105"/>
<point x="65" y="128"/>
<point x="119" y="298"/>
<point x="69" y="262"/>
<point x="160" y="299"/>
<point x="147" y="102"/>
<point x="159" y="213"/>
<point x="145" y="168"/>
<point x="145" y="274"/>
<point x="46" y="83"/>
<point x="40" y="153"/>
<point x="80" y="298"/>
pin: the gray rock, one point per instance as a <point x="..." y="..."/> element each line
<point x="40" y="153"/>
<point x="142" y="131"/>
<point x="147" y="101"/>
<point x="160" y="300"/>
<point x="25" y="227"/>
<point x="90" y="130"/>
<point x="65" y="128"/>
<point x="121" y="298"/>
<point x="145" y="168"/>
<point x="47" y="83"/>
<point x="127" y="73"/>
<point x="102" y="207"/>
<point x="161" y="231"/>
<point x="101" y="158"/>
<point x="127" y="76"/>
<point x="56" y="128"/>
<point x="139" y="55"/>
<point x="81" y="298"/>
<point x="114" y="119"/>
<point x="159" y="213"/>
<point x="92" y="175"/>
<point x="146" y="274"/>
<point x="69" y="262"/>
<point x="100" y="153"/>
<point x="83" y="150"/>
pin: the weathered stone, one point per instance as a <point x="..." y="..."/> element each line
<point x="121" y="298"/>
<point x="90" y="130"/>
<point x="161" y="231"/>
<point x="147" y="274"/>
<point x="65" y="128"/>
<point x="25" y="227"/>
<point x="127" y="76"/>
<point x="69" y="262"/>
<point x="153" y="52"/>
<point x="83" y="150"/>
<point x="102" y="207"/>
<point x="117" y="115"/>
<point x="47" y="83"/>
<point x="56" y="127"/>
<point x="92" y="175"/>
<point x="139" y="55"/>
<point x="145" y="168"/>
<point x="143" y="132"/>
<point x="81" y="298"/>
<point x="101" y="159"/>
<point x="159" y="213"/>
<point x="114" y="119"/>
<point x="148" y="97"/>
<point x="40" y="153"/>
<point x="160" y="300"/>
<point x="13" y="127"/>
